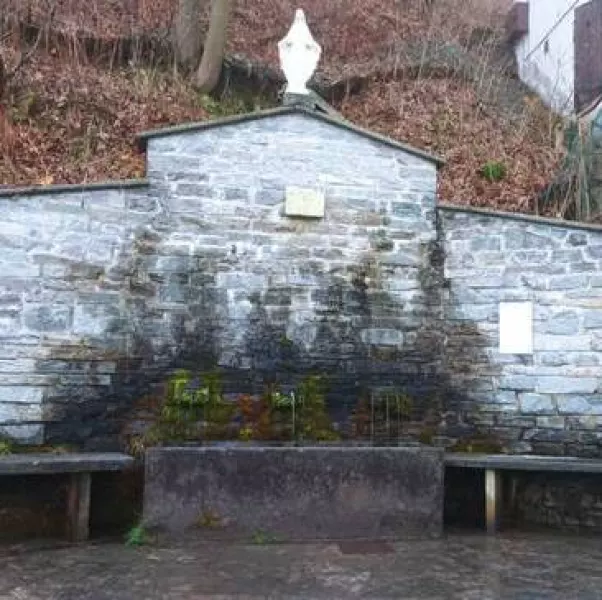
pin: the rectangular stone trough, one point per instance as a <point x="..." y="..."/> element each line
<point x="296" y="493"/>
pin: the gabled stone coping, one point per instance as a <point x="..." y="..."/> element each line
<point x="535" y="219"/>
<point x="37" y="190"/>
<point x="286" y="110"/>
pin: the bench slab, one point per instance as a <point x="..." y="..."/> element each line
<point x="47" y="464"/>
<point x="526" y="462"/>
<point x="493" y="464"/>
<point x="79" y="467"/>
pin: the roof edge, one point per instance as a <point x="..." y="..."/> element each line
<point x="37" y="190"/>
<point x="143" y="137"/>
<point x="535" y="219"/>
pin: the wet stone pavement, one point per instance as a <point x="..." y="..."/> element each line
<point x="471" y="567"/>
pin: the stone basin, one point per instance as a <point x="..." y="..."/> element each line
<point x="296" y="493"/>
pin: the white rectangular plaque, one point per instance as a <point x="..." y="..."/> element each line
<point x="516" y="327"/>
<point x="303" y="202"/>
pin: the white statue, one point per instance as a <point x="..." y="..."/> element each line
<point x="299" y="55"/>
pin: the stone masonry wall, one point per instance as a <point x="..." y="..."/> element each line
<point x="104" y="291"/>
<point x="549" y="402"/>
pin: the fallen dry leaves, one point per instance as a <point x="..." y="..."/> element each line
<point x="73" y="123"/>
<point x="444" y="116"/>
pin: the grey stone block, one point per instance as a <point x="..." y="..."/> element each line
<point x="51" y="318"/>
<point x="22" y="394"/>
<point x="489" y="242"/>
<point x="551" y="422"/>
<point x="567" y="282"/>
<point x="536" y="404"/>
<point x="592" y="319"/>
<point x="298" y="493"/>
<point x="562" y="343"/>
<point x="554" y="359"/>
<point x="577" y="238"/>
<point x="270" y="197"/>
<point x="24" y="434"/>
<point x="573" y="404"/>
<point x="95" y="319"/>
<point x="595" y="251"/>
<point x="567" y="385"/>
<point x="14" y="413"/>
<point x="524" y="240"/>
<point x="406" y="209"/>
<point x="382" y="337"/>
<point x="518" y="382"/>
<point x="195" y="190"/>
<point x="564" y="323"/>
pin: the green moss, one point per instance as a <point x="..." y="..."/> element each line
<point x="478" y="445"/>
<point x="427" y="435"/>
<point x="6" y="447"/>
<point x="209" y="519"/>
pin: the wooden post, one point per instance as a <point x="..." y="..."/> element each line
<point x="78" y="506"/>
<point x="492" y="499"/>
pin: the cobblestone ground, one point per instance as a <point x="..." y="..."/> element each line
<point x="524" y="567"/>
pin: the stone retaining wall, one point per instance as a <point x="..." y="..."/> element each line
<point x="105" y="290"/>
<point x="549" y="402"/>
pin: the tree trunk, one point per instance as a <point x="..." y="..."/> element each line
<point x="2" y="77"/>
<point x="187" y="33"/>
<point x="208" y="74"/>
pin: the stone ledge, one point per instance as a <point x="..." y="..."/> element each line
<point x="525" y="462"/>
<point x="537" y="220"/>
<point x="43" y="190"/>
<point x="32" y="464"/>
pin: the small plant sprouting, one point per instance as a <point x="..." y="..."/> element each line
<point x="6" y="448"/>
<point x="261" y="538"/>
<point x="137" y="536"/>
<point x="209" y="519"/>
<point x="493" y="171"/>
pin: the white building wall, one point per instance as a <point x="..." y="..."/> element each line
<point x="550" y="72"/>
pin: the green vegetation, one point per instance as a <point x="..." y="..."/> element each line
<point x="479" y="444"/>
<point x="312" y="421"/>
<point x="209" y="519"/>
<point x="232" y="104"/>
<point x="261" y="538"/>
<point x="6" y="447"/>
<point x="137" y="536"/>
<point x="493" y="171"/>
<point x="195" y="409"/>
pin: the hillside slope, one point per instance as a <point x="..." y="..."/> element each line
<point x="422" y="79"/>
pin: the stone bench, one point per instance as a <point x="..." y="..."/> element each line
<point x="494" y="464"/>
<point x="79" y="467"/>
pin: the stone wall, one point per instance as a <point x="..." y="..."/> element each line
<point x="107" y="290"/>
<point x="549" y="402"/>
